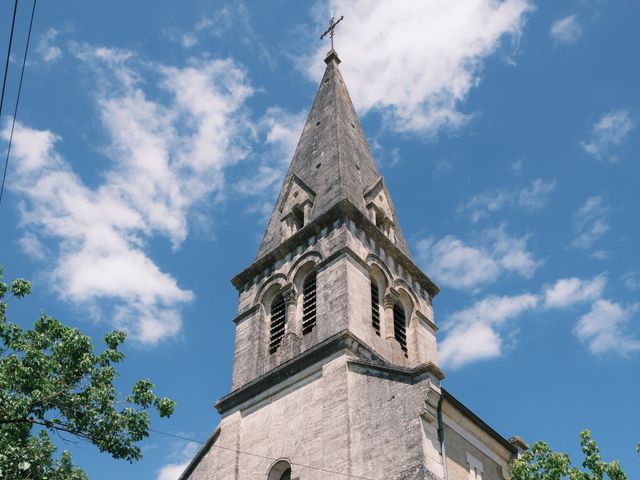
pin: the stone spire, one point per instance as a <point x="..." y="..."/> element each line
<point x="331" y="163"/>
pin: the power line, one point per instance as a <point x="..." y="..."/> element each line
<point x="6" y="65"/>
<point x="15" y="110"/>
<point x="293" y="464"/>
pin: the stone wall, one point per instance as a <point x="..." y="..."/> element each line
<point x="344" y="257"/>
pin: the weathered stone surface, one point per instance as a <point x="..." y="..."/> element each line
<point x="332" y="158"/>
<point x="344" y="400"/>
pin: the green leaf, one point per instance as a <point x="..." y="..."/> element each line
<point x="51" y="379"/>
<point x="541" y="463"/>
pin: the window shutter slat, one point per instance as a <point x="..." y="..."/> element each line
<point x="400" y="327"/>
<point x="309" y="303"/>
<point x="278" y="320"/>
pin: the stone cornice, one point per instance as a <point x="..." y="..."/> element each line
<point x="407" y="374"/>
<point x="247" y="313"/>
<point x="342" y="210"/>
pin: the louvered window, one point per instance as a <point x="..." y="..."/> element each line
<point x="309" y="303"/>
<point x="400" y="327"/>
<point x="375" y="307"/>
<point x="278" y="318"/>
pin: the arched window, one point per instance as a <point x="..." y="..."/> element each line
<point x="375" y="306"/>
<point x="278" y="319"/>
<point x="286" y="475"/>
<point x="280" y="471"/>
<point x="309" y="303"/>
<point x="400" y="326"/>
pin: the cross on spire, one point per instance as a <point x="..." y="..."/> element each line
<point x="330" y="30"/>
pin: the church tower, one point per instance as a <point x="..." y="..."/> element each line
<point x="336" y="370"/>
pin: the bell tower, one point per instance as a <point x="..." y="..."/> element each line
<point x="335" y="367"/>
<point x="333" y="266"/>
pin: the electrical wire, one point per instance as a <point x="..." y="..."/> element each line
<point x="293" y="464"/>
<point x="15" y="110"/>
<point x="6" y="65"/>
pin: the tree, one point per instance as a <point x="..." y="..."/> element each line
<point x="541" y="463"/>
<point x="52" y="382"/>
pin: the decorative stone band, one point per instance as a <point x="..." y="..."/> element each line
<point x="335" y="217"/>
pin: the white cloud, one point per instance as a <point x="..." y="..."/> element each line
<point x="442" y="167"/>
<point x="219" y="23"/>
<point x="46" y="50"/>
<point x="567" y="292"/>
<point x="279" y="132"/>
<point x="469" y="343"/>
<point x="481" y="205"/>
<point x="566" y="30"/>
<point x="631" y="281"/>
<point x="416" y="62"/>
<point x="610" y="131"/>
<point x="601" y="254"/>
<point x="604" y="328"/>
<point x="532" y="198"/>
<point x="167" y="158"/>
<point x="234" y="21"/>
<point x="590" y="222"/>
<point x="452" y="262"/>
<point x="478" y="332"/>
<point x="494" y="310"/>
<point x="511" y="253"/>
<point x="32" y="246"/>
<point x="517" y="166"/>
<point x="474" y="334"/>
<point x="172" y="471"/>
<point x="188" y="40"/>
<point x="181" y="454"/>
<point x="184" y="39"/>
<point x="536" y="196"/>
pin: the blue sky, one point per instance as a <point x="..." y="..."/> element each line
<point x="153" y="138"/>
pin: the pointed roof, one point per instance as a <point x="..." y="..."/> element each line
<point x="332" y="161"/>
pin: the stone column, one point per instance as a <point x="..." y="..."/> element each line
<point x="291" y="300"/>
<point x="388" y="302"/>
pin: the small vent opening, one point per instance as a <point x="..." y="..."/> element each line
<point x="298" y="218"/>
<point x="278" y="319"/>
<point x="309" y="303"/>
<point x="400" y="327"/>
<point x="375" y="307"/>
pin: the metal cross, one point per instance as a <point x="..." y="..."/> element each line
<point x="330" y="30"/>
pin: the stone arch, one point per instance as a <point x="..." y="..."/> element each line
<point x="401" y="284"/>
<point x="374" y="260"/>
<point x="269" y="289"/>
<point x="405" y="298"/>
<point x="313" y="257"/>
<point x="300" y="273"/>
<point x="280" y="470"/>
<point x="379" y="283"/>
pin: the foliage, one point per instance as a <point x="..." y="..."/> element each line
<point x="541" y="463"/>
<point x="52" y="381"/>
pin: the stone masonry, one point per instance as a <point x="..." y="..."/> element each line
<point x="348" y="399"/>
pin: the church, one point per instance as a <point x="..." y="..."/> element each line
<point x="336" y="373"/>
